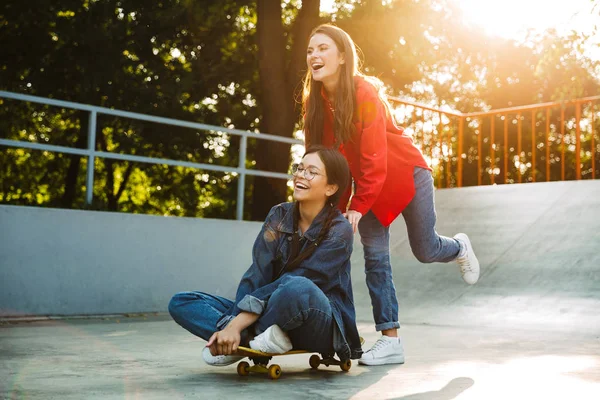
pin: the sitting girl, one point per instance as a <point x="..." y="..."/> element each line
<point x="297" y="294"/>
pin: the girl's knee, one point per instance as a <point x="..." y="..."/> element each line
<point x="176" y="303"/>
<point x="424" y="256"/>
<point x="298" y="284"/>
<point x="301" y="291"/>
<point x="376" y="260"/>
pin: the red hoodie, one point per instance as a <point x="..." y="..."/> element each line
<point x="381" y="157"/>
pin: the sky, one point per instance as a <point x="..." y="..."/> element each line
<point x="512" y="18"/>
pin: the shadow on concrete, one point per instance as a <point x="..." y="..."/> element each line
<point x="452" y="389"/>
<point x="294" y="383"/>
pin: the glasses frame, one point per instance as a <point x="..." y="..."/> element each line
<point x="308" y="174"/>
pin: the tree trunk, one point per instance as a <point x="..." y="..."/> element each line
<point x="277" y="84"/>
<point x="109" y="188"/>
<point x="306" y="21"/>
<point x="121" y="189"/>
<point x="111" y="203"/>
<point x="68" y="197"/>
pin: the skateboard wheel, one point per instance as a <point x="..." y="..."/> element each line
<point x="346" y="365"/>
<point x="243" y="369"/>
<point x="314" y="361"/>
<point x="274" y="371"/>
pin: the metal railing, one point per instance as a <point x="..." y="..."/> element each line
<point x="439" y="132"/>
<point x="91" y="153"/>
<point x="434" y="129"/>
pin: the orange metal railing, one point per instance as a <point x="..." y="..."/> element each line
<point x="453" y="141"/>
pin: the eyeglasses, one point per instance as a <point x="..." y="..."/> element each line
<point x="309" y="174"/>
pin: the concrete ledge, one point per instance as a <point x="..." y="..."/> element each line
<point x="72" y="262"/>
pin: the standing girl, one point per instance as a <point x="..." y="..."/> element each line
<point x="347" y="110"/>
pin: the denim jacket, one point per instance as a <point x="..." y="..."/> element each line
<point x="328" y="267"/>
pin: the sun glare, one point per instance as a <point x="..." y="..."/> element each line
<point x="513" y="18"/>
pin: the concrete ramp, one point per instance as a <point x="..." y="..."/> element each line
<point x="528" y="330"/>
<point x="538" y="244"/>
<point x="539" y="248"/>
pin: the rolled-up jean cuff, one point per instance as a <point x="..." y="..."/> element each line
<point x="251" y="304"/>
<point x="387" y="325"/>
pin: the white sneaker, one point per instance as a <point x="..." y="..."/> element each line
<point x="386" y="350"/>
<point x="274" y="340"/>
<point x="218" y="361"/>
<point x="469" y="265"/>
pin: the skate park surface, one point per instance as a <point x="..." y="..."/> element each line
<point x="529" y="329"/>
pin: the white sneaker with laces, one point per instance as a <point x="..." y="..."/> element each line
<point x="386" y="350"/>
<point x="218" y="361"/>
<point x="274" y="340"/>
<point x="469" y="265"/>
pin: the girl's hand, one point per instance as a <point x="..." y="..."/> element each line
<point x="353" y="217"/>
<point x="224" y="342"/>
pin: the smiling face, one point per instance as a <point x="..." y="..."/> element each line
<point x="317" y="188"/>
<point x="324" y="60"/>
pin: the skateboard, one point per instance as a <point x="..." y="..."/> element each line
<point x="261" y="361"/>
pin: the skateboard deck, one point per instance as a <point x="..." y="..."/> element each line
<point x="261" y="361"/>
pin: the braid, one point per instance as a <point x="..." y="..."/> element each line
<point x="326" y="225"/>
<point x="296" y="216"/>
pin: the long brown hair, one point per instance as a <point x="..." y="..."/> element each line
<point x="338" y="173"/>
<point x="345" y="94"/>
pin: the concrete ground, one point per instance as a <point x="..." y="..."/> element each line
<point x="153" y="358"/>
<point x="530" y="329"/>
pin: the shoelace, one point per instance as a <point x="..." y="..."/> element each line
<point x="380" y="343"/>
<point x="465" y="265"/>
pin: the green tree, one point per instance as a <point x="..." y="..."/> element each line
<point x="239" y="63"/>
<point x="144" y="58"/>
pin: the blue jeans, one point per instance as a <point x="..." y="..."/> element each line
<point x="426" y="245"/>
<point x="297" y="306"/>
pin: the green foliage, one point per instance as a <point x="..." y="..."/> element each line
<point x="198" y="61"/>
<point x="178" y="59"/>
